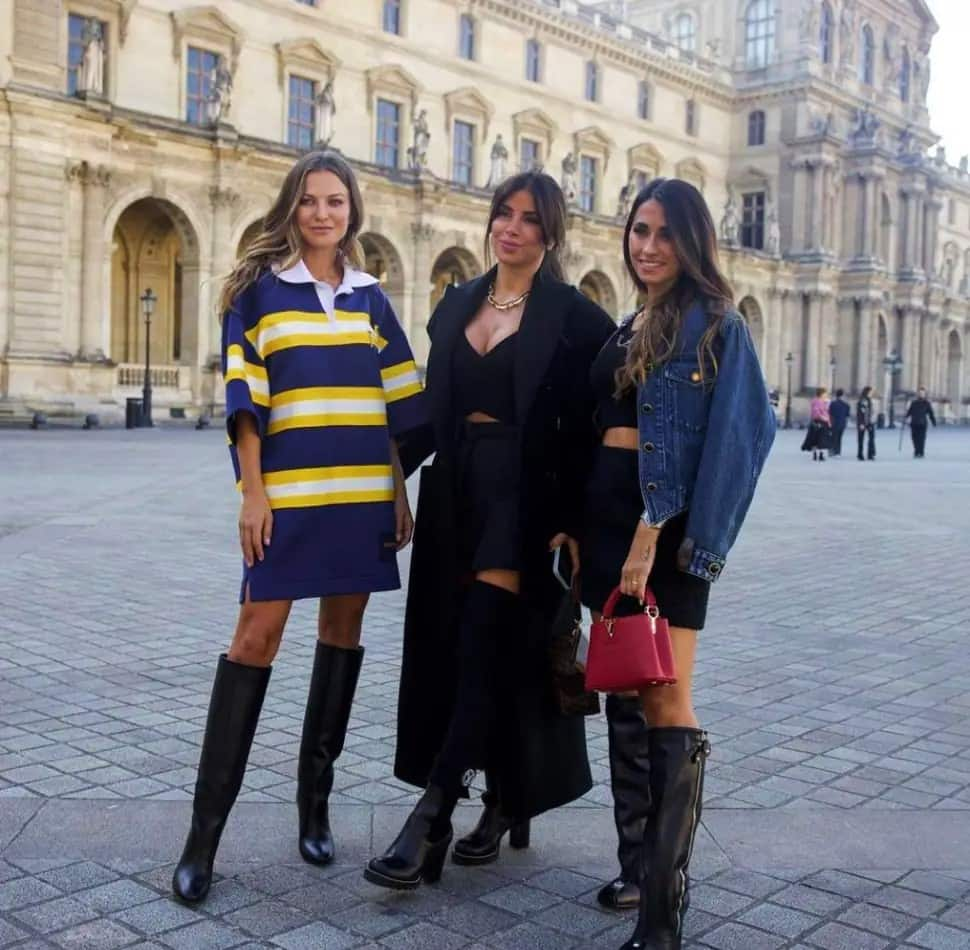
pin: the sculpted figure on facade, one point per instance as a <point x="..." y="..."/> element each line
<point x="713" y="49"/>
<point x="964" y="164"/>
<point x="421" y="139"/>
<point x="220" y="94"/>
<point x="91" y="78"/>
<point x="847" y="34"/>
<point x="568" y="180"/>
<point x="809" y="25"/>
<point x="627" y="195"/>
<point x="772" y="231"/>
<point x="891" y="56"/>
<point x="730" y="221"/>
<point x="326" y="106"/>
<point x="500" y="163"/>
<point x="865" y="127"/>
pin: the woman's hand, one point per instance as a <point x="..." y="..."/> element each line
<point x="403" y="522"/>
<point x="255" y="525"/>
<point x="639" y="561"/>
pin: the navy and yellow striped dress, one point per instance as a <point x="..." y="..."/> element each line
<point x="330" y="379"/>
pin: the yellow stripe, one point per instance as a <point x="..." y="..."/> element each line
<point x="331" y="471"/>
<point x="305" y="339"/>
<point x="235" y="349"/>
<point x="398" y="369"/>
<point x="403" y="393"/>
<point x="257" y="372"/>
<point x="352" y="315"/>
<point x="327" y="392"/>
<point x="328" y="419"/>
<point x="261" y="399"/>
<point x="335" y="498"/>
<point x="234" y="374"/>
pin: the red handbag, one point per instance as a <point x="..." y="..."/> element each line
<point x="629" y="652"/>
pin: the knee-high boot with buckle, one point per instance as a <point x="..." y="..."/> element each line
<point x="332" y="687"/>
<point x="237" y="699"/>
<point x="677" y="757"/>
<point x="418" y="852"/>
<point x="630" y="781"/>
<point x="483" y="844"/>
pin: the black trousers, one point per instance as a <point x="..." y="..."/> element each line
<point x="918" y="434"/>
<point x="872" y="441"/>
<point x="837" y="433"/>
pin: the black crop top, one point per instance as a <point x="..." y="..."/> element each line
<point x="610" y="411"/>
<point x="485" y="383"/>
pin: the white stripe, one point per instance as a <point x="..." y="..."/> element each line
<point x="234" y="361"/>
<point x="399" y="382"/>
<point x="313" y="407"/>
<point x="258" y="386"/>
<point x="313" y="328"/>
<point x="330" y="486"/>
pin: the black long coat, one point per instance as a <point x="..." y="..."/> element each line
<point x="541" y="762"/>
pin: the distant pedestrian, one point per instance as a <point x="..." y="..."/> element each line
<point x="865" y="424"/>
<point x="918" y="412"/>
<point x="818" y="439"/>
<point x="839" y="412"/>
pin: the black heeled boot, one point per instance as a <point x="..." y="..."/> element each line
<point x="677" y="757"/>
<point x="332" y="687"/>
<point x="630" y="782"/>
<point x="418" y="852"/>
<point x="484" y="843"/>
<point x="234" y="707"/>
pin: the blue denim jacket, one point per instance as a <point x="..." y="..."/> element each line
<point x="704" y="437"/>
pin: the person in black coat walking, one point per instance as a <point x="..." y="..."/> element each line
<point x="513" y="436"/>
<point x="839" y="412"/>
<point x="865" y="423"/>
<point x="918" y="412"/>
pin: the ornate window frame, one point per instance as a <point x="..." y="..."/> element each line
<point x="208" y="28"/>
<point x="395" y="84"/>
<point x="307" y="59"/>
<point x="536" y="125"/>
<point x="116" y="15"/>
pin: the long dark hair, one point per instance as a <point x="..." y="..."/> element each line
<point x="278" y="241"/>
<point x="551" y="209"/>
<point x="694" y="238"/>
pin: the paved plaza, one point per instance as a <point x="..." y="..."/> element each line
<point x="834" y="676"/>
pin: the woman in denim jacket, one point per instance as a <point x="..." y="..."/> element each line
<point x="686" y="425"/>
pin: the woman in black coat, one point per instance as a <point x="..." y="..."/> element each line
<point x="511" y="410"/>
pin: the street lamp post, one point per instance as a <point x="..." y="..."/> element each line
<point x="894" y="365"/>
<point x="833" y="362"/>
<point x="789" y="359"/>
<point x="148" y="301"/>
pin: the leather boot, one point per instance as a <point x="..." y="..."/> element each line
<point x="418" y="852"/>
<point x="630" y="781"/>
<point x="234" y="707"/>
<point x="482" y="846"/>
<point x="677" y="757"/>
<point x="332" y="687"/>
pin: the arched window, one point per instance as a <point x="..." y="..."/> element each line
<point x="685" y="33"/>
<point x="826" y="33"/>
<point x="756" y="127"/>
<point x="867" y="56"/>
<point x="759" y="34"/>
<point x="905" y="73"/>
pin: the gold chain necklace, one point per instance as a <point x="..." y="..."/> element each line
<point x="508" y="304"/>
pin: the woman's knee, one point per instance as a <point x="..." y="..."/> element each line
<point x="341" y="621"/>
<point x="254" y="643"/>
<point x="668" y="706"/>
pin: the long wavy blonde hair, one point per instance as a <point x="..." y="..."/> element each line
<point x="694" y="238"/>
<point x="279" y="242"/>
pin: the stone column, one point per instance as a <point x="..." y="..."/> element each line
<point x="818" y="205"/>
<point x="800" y="205"/>
<point x="813" y="338"/>
<point x="774" y="319"/>
<point x="421" y="234"/>
<point x="934" y="206"/>
<point x="917" y="226"/>
<point x="222" y="201"/>
<point x="875" y="214"/>
<point x="863" y="354"/>
<point x="928" y="324"/>
<point x="95" y="306"/>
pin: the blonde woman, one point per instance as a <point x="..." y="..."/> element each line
<point x="320" y="382"/>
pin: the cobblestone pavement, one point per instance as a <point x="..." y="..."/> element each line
<point x="834" y="676"/>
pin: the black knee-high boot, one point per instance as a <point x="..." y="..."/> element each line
<point x="630" y="782"/>
<point x="332" y="687"/>
<point x="484" y="843"/>
<point x="419" y="849"/>
<point x="677" y="757"/>
<point x="234" y="707"/>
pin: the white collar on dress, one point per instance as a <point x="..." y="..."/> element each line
<point x="299" y="273"/>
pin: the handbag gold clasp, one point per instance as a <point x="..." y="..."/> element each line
<point x="609" y="626"/>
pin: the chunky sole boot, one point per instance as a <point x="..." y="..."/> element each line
<point x="332" y="687"/>
<point x="677" y="757"/>
<point x="630" y="782"/>
<point x="234" y="708"/>
<point x="418" y="852"/>
<point x="484" y="844"/>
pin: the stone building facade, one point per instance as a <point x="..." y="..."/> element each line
<point x="142" y="140"/>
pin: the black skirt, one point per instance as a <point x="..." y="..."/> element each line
<point x="614" y="506"/>
<point x="818" y="436"/>
<point x="489" y="466"/>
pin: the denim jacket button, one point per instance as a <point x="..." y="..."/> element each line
<point x="647" y="407"/>
<point x="651" y="486"/>
<point x="713" y="568"/>
<point x="648" y="446"/>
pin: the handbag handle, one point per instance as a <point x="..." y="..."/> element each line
<point x="649" y="603"/>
